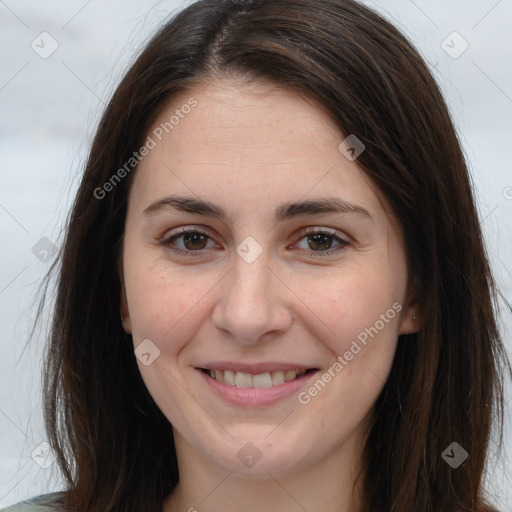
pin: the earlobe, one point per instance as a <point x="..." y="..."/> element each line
<point x="411" y="317"/>
<point x="125" y="314"/>
<point x="410" y="322"/>
<point x="123" y="307"/>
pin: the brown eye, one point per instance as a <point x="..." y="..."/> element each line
<point x="189" y="242"/>
<point x="194" y="241"/>
<point x="319" y="242"/>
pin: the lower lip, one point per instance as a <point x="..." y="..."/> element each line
<point x="256" y="396"/>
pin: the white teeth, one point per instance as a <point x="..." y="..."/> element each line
<point x="229" y="378"/>
<point x="277" y="378"/>
<point x="262" y="380"/>
<point x="289" y="375"/>
<point x="242" y="380"/>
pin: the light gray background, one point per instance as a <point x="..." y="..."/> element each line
<point x="49" y="109"/>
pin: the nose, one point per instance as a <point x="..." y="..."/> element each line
<point x="253" y="302"/>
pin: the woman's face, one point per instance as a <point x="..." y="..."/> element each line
<point x="287" y="261"/>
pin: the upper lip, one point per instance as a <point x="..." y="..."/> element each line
<point x="254" y="368"/>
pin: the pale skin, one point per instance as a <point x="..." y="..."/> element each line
<point x="249" y="148"/>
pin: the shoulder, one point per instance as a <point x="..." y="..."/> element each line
<point x="42" y="503"/>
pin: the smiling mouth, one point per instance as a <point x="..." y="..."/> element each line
<point x="261" y="380"/>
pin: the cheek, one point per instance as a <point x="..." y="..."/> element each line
<point x="357" y="319"/>
<point x="163" y="300"/>
<point x="347" y="303"/>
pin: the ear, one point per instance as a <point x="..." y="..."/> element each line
<point x="125" y="313"/>
<point x="411" y="317"/>
<point x="123" y="306"/>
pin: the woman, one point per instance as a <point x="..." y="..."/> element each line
<point x="273" y="292"/>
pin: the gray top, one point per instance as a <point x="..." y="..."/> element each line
<point x="41" y="503"/>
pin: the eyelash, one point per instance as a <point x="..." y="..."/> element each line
<point x="307" y="232"/>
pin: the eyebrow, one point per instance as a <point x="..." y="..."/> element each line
<point x="283" y="212"/>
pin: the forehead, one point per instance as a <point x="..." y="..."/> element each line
<point x="227" y="139"/>
<point x="260" y="114"/>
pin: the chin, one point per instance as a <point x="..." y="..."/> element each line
<point x="256" y="456"/>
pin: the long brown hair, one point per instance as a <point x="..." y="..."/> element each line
<point x="114" y="446"/>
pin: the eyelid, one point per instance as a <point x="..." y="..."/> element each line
<point x="329" y="231"/>
<point x="187" y="229"/>
<point x="184" y="230"/>
<point x="206" y="231"/>
<point x="302" y="233"/>
<point x="333" y="233"/>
